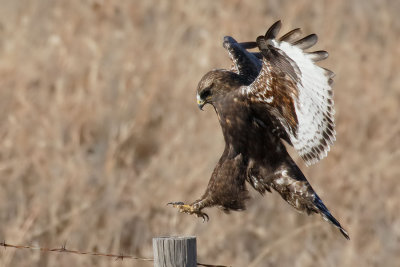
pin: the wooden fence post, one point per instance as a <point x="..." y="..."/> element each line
<point x="175" y="251"/>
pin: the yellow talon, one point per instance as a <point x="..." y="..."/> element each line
<point x="189" y="209"/>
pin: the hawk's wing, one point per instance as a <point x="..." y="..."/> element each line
<point x="295" y="92"/>
<point x="245" y="63"/>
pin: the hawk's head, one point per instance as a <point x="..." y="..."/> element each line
<point x="216" y="84"/>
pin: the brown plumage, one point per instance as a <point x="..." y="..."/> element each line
<point x="258" y="103"/>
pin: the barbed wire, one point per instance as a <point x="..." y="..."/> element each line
<point x="63" y="249"/>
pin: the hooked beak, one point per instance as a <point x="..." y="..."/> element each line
<point x="200" y="102"/>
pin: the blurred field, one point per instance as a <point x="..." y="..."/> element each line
<point x="99" y="129"/>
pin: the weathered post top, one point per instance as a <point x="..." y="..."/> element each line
<point x="175" y="251"/>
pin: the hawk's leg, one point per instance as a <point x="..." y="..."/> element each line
<point x="226" y="189"/>
<point x="194" y="208"/>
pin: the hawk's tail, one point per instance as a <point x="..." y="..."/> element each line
<point x="292" y="185"/>
<point x="325" y="213"/>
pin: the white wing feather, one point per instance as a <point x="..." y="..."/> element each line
<point x="314" y="106"/>
<point x="312" y="100"/>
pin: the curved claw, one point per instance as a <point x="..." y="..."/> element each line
<point x="189" y="209"/>
<point x="205" y="217"/>
<point x="202" y="215"/>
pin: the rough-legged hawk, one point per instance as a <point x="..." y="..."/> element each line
<point x="274" y="94"/>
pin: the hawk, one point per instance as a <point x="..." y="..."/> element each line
<point x="277" y="93"/>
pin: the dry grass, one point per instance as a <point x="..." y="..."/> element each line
<point x="99" y="129"/>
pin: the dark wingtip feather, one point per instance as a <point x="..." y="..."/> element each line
<point x="291" y="36"/>
<point x="248" y="45"/>
<point x="307" y="41"/>
<point x="273" y="30"/>
<point x="318" y="55"/>
<point x="329" y="73"/>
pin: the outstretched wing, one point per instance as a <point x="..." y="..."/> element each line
<point x="295" y="91"/>
<point x="245" y="63"/>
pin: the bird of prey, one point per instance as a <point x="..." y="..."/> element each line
<point x="277" y="93"/>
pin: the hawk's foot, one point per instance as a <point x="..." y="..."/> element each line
<point x="189" y="209"/>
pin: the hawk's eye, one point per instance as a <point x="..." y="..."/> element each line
<point x="205" y="93"/>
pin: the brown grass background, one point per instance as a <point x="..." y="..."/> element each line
<point x="99" y="129"/>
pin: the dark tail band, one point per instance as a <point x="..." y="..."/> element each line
<point x="328" y="216"/>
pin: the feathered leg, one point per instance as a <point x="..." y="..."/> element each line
<point x="226" y="189"/>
